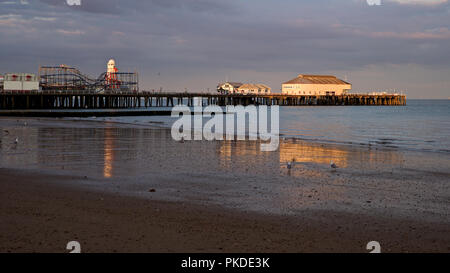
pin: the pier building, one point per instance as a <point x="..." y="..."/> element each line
<point x="316" y="85"/>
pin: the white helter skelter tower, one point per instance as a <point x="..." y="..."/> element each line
<point x="111" y="74"/>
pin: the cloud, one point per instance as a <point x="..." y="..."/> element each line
<point x="46" y="19"/>
<point x="70" y="32"/>
<point x="116" y="7"/>
<point x="440" y="34"/>
<point x="420" y="2"/>
<point x="18" y="2"/>
<point x="11" y="20"/>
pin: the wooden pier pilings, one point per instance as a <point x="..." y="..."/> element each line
<point x="93" y="100"/>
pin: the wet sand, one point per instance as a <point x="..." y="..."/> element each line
<point x="40" y="215"/>
<point x="91" y="182"/>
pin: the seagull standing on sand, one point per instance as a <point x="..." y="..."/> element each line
<point x="333" y="165"/>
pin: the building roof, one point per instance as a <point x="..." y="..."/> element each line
<point x="248" y="86"/>
<point x="263" y="86"/>
<point x="254" y="86"/>
<point x="234" y="84"/>
<point x="316" y="79"/>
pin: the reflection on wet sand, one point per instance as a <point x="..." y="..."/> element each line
<point x="313" y="182"/>
<point x="300" y="152"/>
<point x="89" y="151"/>
<point x="109" y="154"/>
<point x="235" y="155"/>
<point x="113" y="151"/>
<point x="303" y="154"/>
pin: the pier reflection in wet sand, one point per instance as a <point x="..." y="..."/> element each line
<point x="113" y="151"/>
<point x="311" y="182"/>
<point x="109" y="153"/>
<point x="234" y="154"/>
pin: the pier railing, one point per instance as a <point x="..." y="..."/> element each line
<point x="10" y="100"/>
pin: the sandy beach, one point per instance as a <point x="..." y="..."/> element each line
<point x="38" y="215"/>
<point x="128" y="188"/>
<point x="228" y="127"/>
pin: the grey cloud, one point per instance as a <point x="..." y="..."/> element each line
<point x="139" y="6"/>
<point x="196" y="37"/>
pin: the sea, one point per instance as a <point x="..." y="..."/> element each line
<point x="422" y="125"/>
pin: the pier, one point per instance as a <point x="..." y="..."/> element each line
<point x="49" y="100"/>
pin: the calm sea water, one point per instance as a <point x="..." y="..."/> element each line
<point x="421" y="125"/>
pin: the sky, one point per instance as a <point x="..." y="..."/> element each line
<point x="178" y="45"/>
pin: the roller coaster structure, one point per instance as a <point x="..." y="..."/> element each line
<point x="65" y="78"/>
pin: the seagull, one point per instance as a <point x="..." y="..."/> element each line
<point x="289" y="165"/>
<point x="16" y="141"/>
<point x="333" y="165"/>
